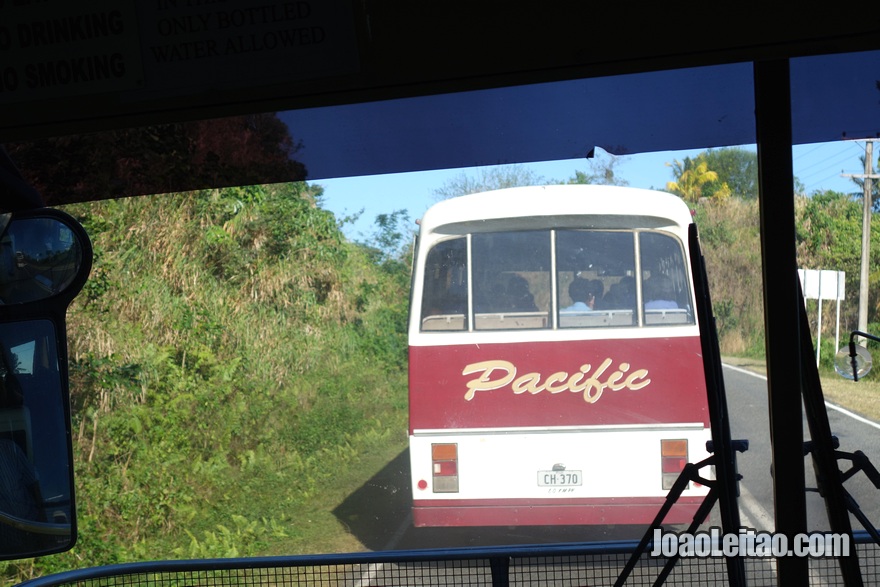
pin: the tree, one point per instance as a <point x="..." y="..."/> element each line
<point x="235" y="151"/>
<point x="691" y="176"/>
<point x="731" y="245"/>
<point x="829" y="230"/>
<point x="392" y="239"/>
<point x="736" y="167"/>
<point x="600" y="172"/>
<point x="490" y="178"/>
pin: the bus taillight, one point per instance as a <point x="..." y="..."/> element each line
<point x="673" y="458"/>
<point x="444" y="460"/>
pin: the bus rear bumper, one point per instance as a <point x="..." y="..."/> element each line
<point x="525" y="512"/>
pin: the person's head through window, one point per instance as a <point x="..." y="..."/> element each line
<point x="621" y="295"/>
<point x="583" y="294"/>
<point x="659" y="293"/>
<point x="519" y="297"/>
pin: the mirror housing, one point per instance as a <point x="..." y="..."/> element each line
<point x="854" y="361"/>
<point x="45" y="259"/>
<point x="41" y="256"/>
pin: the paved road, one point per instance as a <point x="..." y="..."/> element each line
<point x="747" y="402"/>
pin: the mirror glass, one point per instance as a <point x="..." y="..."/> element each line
<point x="36" y="479"/>
<point x="39" y="258"/>
<point x="853" y="367"/>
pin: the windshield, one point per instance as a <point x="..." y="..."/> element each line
<point x="224" y="375"/>
<point x="240" y="361"/>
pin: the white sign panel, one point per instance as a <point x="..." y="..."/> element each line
<point x="823" y="284"/>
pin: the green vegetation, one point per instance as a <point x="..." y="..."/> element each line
<point x="731" y="243"/>
<point x="238" y="367"/>
<point x="861" y="397"/>
<point x="721" y="186"/>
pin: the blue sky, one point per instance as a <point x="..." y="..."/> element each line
<point x="817" y="166"/>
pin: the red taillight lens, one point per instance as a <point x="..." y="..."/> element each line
<point x="444" y="460"/>
<point x="673" y="458"/>
<point x="445" y="468"/>
<point x="673" y="464"/>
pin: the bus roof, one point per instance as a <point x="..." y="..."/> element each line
<point x="562" y="206"/>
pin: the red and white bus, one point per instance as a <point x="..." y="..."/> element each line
<point x="555" y="367"/>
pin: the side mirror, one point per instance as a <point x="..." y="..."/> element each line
<point x="45" y="258"/>
<point x="854" y="361"/>
<point x="41" y="256"/>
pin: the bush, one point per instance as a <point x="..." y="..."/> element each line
<point x="234" y="350"/>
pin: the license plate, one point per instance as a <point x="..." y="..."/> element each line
<point x="560" y="478"/>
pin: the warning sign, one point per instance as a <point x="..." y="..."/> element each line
<point x="57" y="49"/>
<point x="51" y="49"/>
<point x="228" y="44"/>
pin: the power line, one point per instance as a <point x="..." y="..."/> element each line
<point x="811" y="151"/>
<point x="818" y="183"/>
<point x="839" y="159"/>
<point x="833" y="162"/>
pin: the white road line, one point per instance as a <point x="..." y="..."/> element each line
<point x="374" y="568"/>
<point x="846" y="412"/>
<point x="746" y="371"/>
<point x="401" y="530"/>
<point x="367" y="578"/>
<point x="753" y="513"/>
<point x="828" y="404"/>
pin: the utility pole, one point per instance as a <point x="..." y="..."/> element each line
<point x="867" y="205"/>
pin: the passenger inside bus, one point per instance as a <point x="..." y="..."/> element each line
<point x="621" y="295"/>
<point x="659" y="293"/>
<point x="583" y="294"/>
<point x="518" y="297"/>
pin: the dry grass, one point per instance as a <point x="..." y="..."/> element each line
<point x="861" y="397"/>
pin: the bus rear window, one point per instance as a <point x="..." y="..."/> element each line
<point x="445" y="302"/>
<point x="596" y="278"/>
<point x="621" y="278"/>
<point x="665" y="285"/>
<point x="511" y="280"/>
<point x="547" y="279"/>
